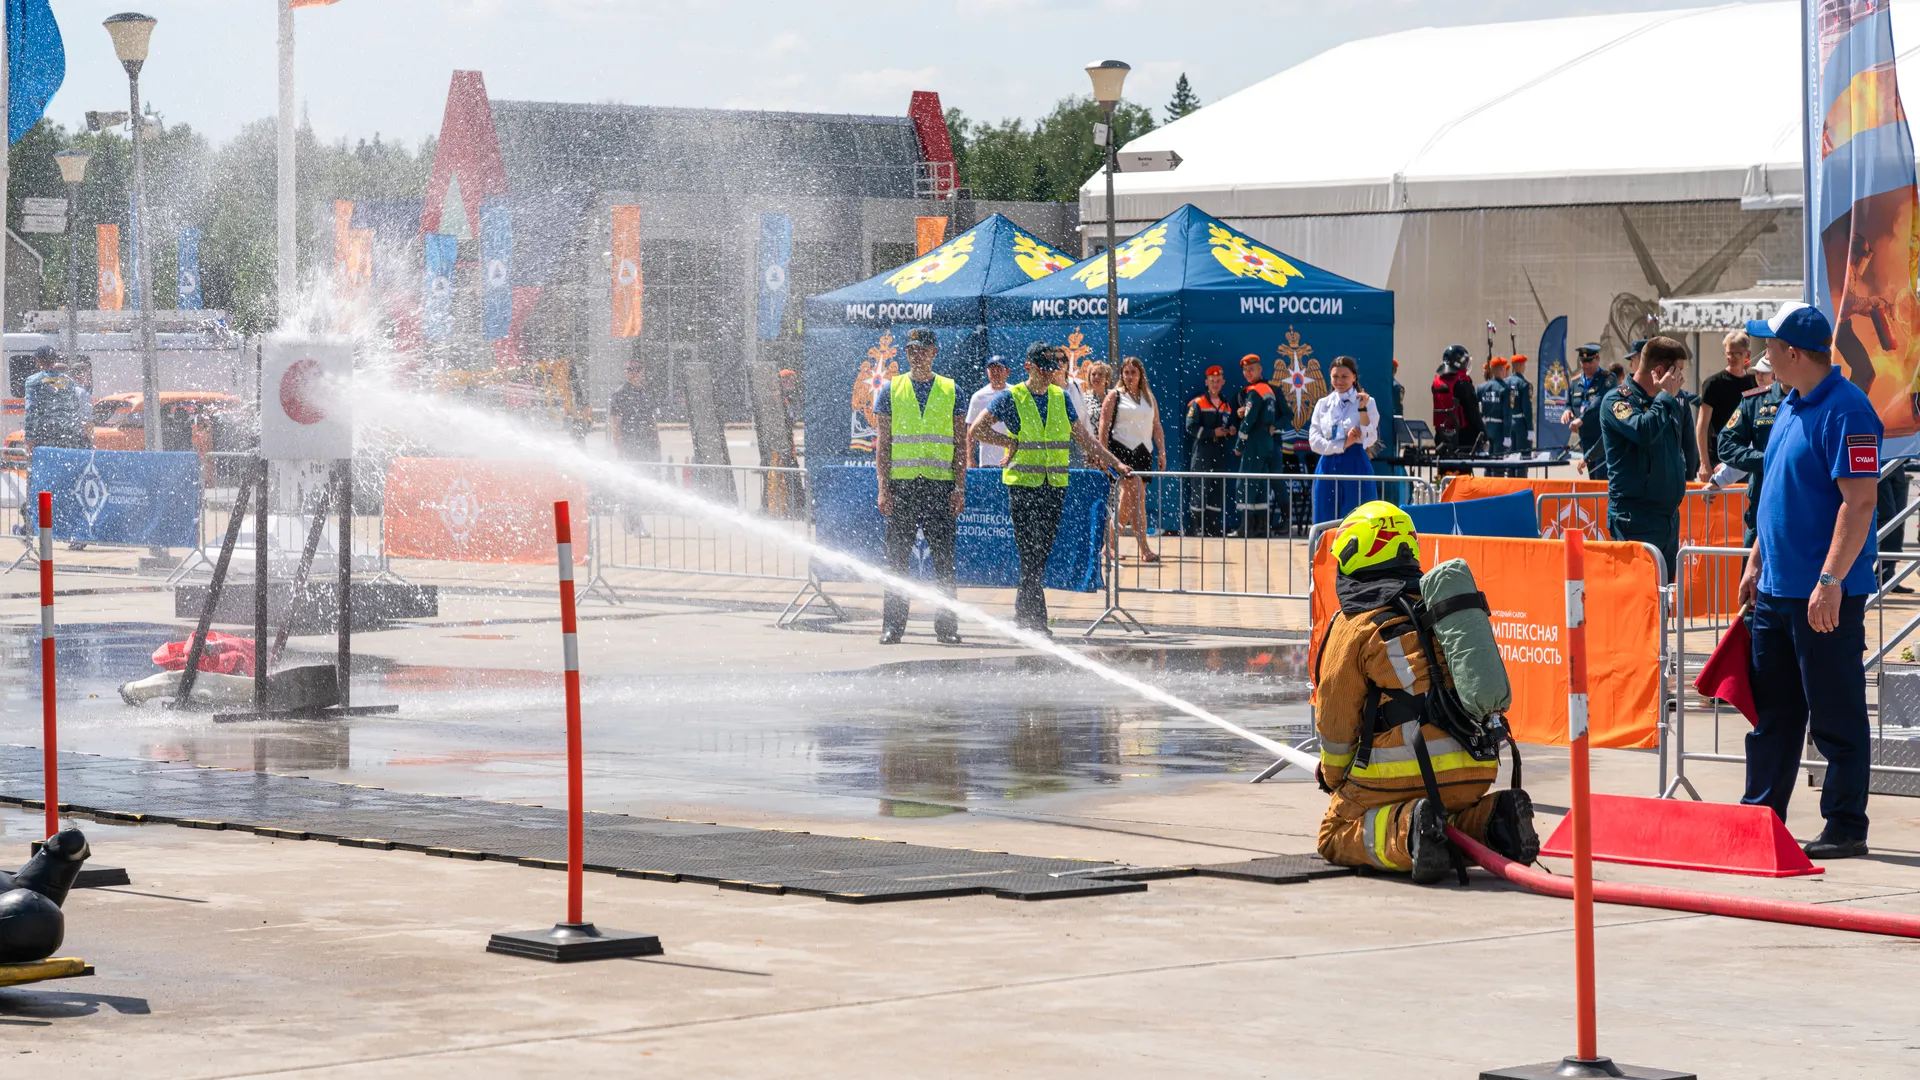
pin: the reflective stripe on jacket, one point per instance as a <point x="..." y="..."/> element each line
<point x="922" y="441"/>
<point x="1041" y="453"/>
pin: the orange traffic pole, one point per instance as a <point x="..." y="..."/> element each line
<point x="1588" y="1037"/>
<point x="570" y="647"/>
<point x="49" y="709"/>
<point x="576" y="938"/>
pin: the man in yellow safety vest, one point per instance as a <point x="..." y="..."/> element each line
<point x="923" y="480"/>
<point x="1042" y="423"/>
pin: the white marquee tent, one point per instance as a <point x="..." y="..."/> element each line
<point x="1584" y="166"/>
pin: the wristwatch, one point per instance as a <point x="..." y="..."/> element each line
<point x="1828" y="579"/>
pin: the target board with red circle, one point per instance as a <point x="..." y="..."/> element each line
<point x="306" y="403"/>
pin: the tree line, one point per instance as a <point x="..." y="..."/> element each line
<point x="1048" y="160"/>
<point x="227" y="192"/>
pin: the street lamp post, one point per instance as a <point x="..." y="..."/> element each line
<point x="1108" y="76"/>
<point x="73" y="169"/>
<point x="130" y="32"/>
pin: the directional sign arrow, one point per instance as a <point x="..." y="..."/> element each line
<point x="1147" y="160"/>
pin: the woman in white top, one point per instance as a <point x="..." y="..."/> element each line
<point x="1130" y="427"/>
<point x="1345" y="423"/>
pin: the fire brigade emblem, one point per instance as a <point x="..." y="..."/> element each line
<point x="935" y="266"/>
<point x="1243" y="258"/>
<point x="876" y="371"/>
<point x="1299" y="377"/>
<point x="1130" y="259"/>
<point x="1035" y="258"/>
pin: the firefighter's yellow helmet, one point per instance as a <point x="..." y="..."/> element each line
<point x="1376" y="534"/>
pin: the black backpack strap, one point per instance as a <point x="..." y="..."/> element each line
<point x="1321" y="656"/>
<point x="1432" y="782"/>
<point x="1514" y="746"/>
<point x="1462" y="602"/>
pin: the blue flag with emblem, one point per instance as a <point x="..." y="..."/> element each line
<point x="36" y="64"/>
<point x="1556" y="379"/>
<point x="437" y="304"/>
<point x="776" y="248"/>
<point x="496" y="259"/>
<point x="187" y="270"/>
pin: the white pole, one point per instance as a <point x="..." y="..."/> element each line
<point x="288" y="272"/>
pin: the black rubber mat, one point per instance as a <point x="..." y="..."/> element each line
<point x="1277" y="870"/>
<point x="754" y="860"/>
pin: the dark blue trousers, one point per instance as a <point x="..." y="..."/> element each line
<point x="1801" y="679"/>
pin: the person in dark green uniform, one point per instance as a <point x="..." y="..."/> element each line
<point x="1495" y="403"/>
<point x="1583" y="409"/>
<point x="1211" y="426"/>
<point x="1742" y="443"/>
<point x="1643" y="429"/>
<point x="1520" y="415"/>
<point x="1264" y="414"/>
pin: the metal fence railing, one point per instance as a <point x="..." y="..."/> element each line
<point x="1704" y="609"/>
<point x="1210" y="536"/>
<point x="638" y="532"/>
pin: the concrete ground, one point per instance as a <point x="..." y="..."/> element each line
<point x="234" y="955"/>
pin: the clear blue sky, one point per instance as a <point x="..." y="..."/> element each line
<point x="383" y="65"/>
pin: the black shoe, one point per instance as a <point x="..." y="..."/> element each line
<point x="1830" y="846"/>
<point x="1510" y="828"/>
<point x="891" y="637"/>
<point x="948" y="637"/>
<point x="1427" y="843"/>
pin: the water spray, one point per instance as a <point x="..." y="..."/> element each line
<point x="486" y="434"/>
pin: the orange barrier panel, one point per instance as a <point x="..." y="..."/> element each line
<point x="1706" y="520"/>
<point x="1485" y="487"/>
<point x="1525" y="585"/>
<point x="469" y="510"/>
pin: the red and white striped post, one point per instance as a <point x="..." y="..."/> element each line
<point x="576" y="938"/>
<point x="49" y="708"/>
<point x="1586" y="1061"/>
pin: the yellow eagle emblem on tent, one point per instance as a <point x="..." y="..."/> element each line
<point x="1037" y="259"/>
<point x="1244" y="258"/>
<point x="1130" y="259"/>
<point x="935" y="266"/>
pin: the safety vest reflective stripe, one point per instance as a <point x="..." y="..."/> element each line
<point x="1337" y="755"/>
<point x="919" y="451"/>
<point x="1379" y="830"/>
<point x="1400" y="762"/>
<point x="1040" y="454"/>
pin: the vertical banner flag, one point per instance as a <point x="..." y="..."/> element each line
<point x="359" y="259"/>
<point x="1555" y="380"/>
<point x="496" y="262"/>
<point x="1865" y="234"/>
<point x="928" y="232"/>
<point x="187" y="270"/>
<point x="626" y="271"/>
<point x="36" y="64"/>
<point x="342" y="227"/>
<point x="107" y="255"/>
<point x="441" y="251"/>
<point x="776" y="248"/>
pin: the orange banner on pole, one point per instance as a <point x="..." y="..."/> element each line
<point x="467" y="510"/>
<point x="112" y="290"/>
<point x="626" y="271"/>
<point x="359" y="264"/>
<point x="1486" y="487"/>
<point x="928" y="233"/>
<point x="1525" y="585"/>
<point x="342" y="231"/>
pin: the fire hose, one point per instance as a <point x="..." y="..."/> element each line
<point x="1703" y="903"/>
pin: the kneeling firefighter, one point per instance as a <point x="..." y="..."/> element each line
<point x="1402" y="757"/>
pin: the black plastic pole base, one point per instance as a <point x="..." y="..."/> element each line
<point x="91" y="877"/>
<point x="568" y="943"/>
<point x="1573" y="1068"/>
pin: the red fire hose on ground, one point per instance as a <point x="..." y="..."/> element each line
<point x="1704" y="903"/>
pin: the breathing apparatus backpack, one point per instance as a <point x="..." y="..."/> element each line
<point x="1467" y="692"/>
<point x="1447" y="413"/>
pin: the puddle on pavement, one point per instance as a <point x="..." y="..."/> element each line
<point x="914" y="739"/>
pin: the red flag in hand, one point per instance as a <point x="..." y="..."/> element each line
<point x="1727" y="674"/>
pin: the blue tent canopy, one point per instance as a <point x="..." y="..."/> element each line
<point x="1195" y="292"/>
<point x="856" y="337"/>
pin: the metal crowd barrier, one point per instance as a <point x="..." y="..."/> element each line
<point x="1209" y="544"/>
<point x="1695" y="637"/>
<point x="642" y="533"/>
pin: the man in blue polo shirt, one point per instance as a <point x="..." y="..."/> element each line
<point x="1809" y="578"/>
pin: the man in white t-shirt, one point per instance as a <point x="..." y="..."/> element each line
<point x="991" y="457"/>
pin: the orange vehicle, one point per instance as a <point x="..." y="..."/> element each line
<point x="205" y="420"/>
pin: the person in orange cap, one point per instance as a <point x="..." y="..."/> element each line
<point x="1210" y="428"/>
<point x="1520" y="407"/>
